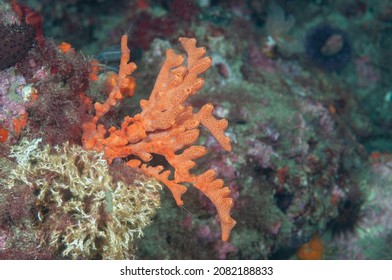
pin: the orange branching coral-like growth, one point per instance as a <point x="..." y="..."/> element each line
<point x="167" y="127"/>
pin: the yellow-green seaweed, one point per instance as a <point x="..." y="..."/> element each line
<point x="83" y="212"/>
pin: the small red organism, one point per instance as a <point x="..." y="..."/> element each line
<point x="3" y="134"/>
<point x="281" y="174"/>
<point x="30" y="17"/>
<point x="143" y="4"/>
<point x="313" y="250"/>
<point x="65" y="47"/>
<point x="20" y="122"/>
<point x="94" y="70"/>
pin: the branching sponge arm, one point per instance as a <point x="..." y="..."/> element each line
<point x="166" y="126"/>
